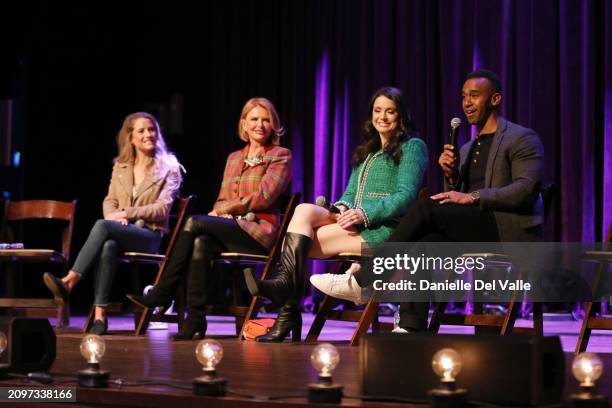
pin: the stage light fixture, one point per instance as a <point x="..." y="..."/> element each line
<point x="587" y="368"/>
<point x="325" y="358"/>
<point x="209" y="353"/>
<point x="93" y="349"/>
<point x="446" y="363"/>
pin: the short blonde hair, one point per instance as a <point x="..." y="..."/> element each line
<point x="277" y="128"/>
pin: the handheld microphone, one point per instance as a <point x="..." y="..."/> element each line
<point x="321" y="201"/>
<point x="140" y="223"/>
<point x="455" y="123"/>
<point x="250" y="216"/>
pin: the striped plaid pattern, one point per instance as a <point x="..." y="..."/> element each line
<point x="255" y="189"/>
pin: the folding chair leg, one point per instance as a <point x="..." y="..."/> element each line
<point x="538" y="319"/>
<point x="142" y="321"/>
<point x="319" y="320"/>
<point x="509" y="318"/>
<point x="436" y="317"/>
<point x="375" y="324"/>
<point x="90" y="318"/>
<point x="585" y="331"/>
<point x="65" y="314"/>
<point x="239" y="323"/>
<point x="370" y="313"/>
<point x="250" y="314"/>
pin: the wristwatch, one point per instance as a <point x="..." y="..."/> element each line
<point x="475" y="196"/>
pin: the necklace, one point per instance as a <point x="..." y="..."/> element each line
<point x="253" y="161"/>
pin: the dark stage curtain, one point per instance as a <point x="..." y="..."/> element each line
<point x="554" y="61"/>
<point x="82" y="68"/>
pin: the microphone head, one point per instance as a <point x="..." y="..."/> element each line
<point x="455" y="123"/>
<point x="321" y="201"/>
<point x="140" y="223"/>
<point x="249" y="216"/>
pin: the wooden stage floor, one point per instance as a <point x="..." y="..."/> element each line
<point x="157" y="372"/>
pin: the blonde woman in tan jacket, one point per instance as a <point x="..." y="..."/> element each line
<point x="145" y="181"/>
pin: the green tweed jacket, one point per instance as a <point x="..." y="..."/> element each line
<point x="384" y="190"/>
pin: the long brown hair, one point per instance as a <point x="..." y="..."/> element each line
<point x="370" y="137"/>
<point x="162" y="157"/>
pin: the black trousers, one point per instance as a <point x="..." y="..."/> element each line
<point x="429" y="221"/>
<point x="200" y="240"/>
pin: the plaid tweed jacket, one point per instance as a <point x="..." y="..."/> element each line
<point x="255" y="189"/>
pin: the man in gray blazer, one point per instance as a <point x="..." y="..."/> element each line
<point x="492" y="191"/>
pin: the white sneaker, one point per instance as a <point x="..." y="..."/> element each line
<point x="399" y="330"/>
<point x="342" y="286"/>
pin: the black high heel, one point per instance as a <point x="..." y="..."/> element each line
<point x="99" y="327"/>
<point x="269" y="289"/>
<point x="289" y="319"/>
<point x="151" y="300"/>
<point x="193" y="328"/>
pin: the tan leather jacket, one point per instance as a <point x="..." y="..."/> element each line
<point x="153" y="199"/>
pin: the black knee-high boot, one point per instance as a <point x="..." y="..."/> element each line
<point x="163" y="292"/>
<point x="287" y="289"/>
<point x="195" y="325"/>
<point x="290" y="274"/>
<point x="289" y="319"/>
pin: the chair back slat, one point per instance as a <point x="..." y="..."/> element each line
<point x="288" y="204"/>
<point x="177" y="217"/>
<point x="35" y="209"/>
<point x="41" y="209"/>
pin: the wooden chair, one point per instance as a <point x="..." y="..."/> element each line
<point x="591" y="320"/>
<point x="135" y="260"/>
<point x="364" y="318"/>
<point x="243" y="313"/>
<point x="504" y="324"/>
<point x="17" y="211"/>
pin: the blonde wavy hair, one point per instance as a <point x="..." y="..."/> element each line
<point x="162" y="158"/>
<point x="277" y="128"/>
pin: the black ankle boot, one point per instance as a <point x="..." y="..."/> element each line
<point x="99" y="327"/>
<point x="290" y="276"/>
<point x="152" y="299"/>
<point x="194" y="327"/>
<point x="289" y="319"/>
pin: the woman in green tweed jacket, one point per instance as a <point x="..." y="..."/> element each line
<point x="388" y="171"/>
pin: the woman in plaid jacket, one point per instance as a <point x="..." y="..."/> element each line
<point x="387" y="173"/>
<point x="254" y="179"/>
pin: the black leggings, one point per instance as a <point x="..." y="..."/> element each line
<point x="200" y="240"/>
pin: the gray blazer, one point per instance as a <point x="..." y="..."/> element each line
<point x="512" y="181"/>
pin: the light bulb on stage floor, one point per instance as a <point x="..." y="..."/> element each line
<point x="587" y="368"/>
<point x="446" y="363"/>
<point x="325" y="358"/>
<point x="209" y="353"/>
<point x="92" y="349"/>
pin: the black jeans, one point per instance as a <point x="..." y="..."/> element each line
<point x="429" y="221"/>
<point x="200" y="240"/>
